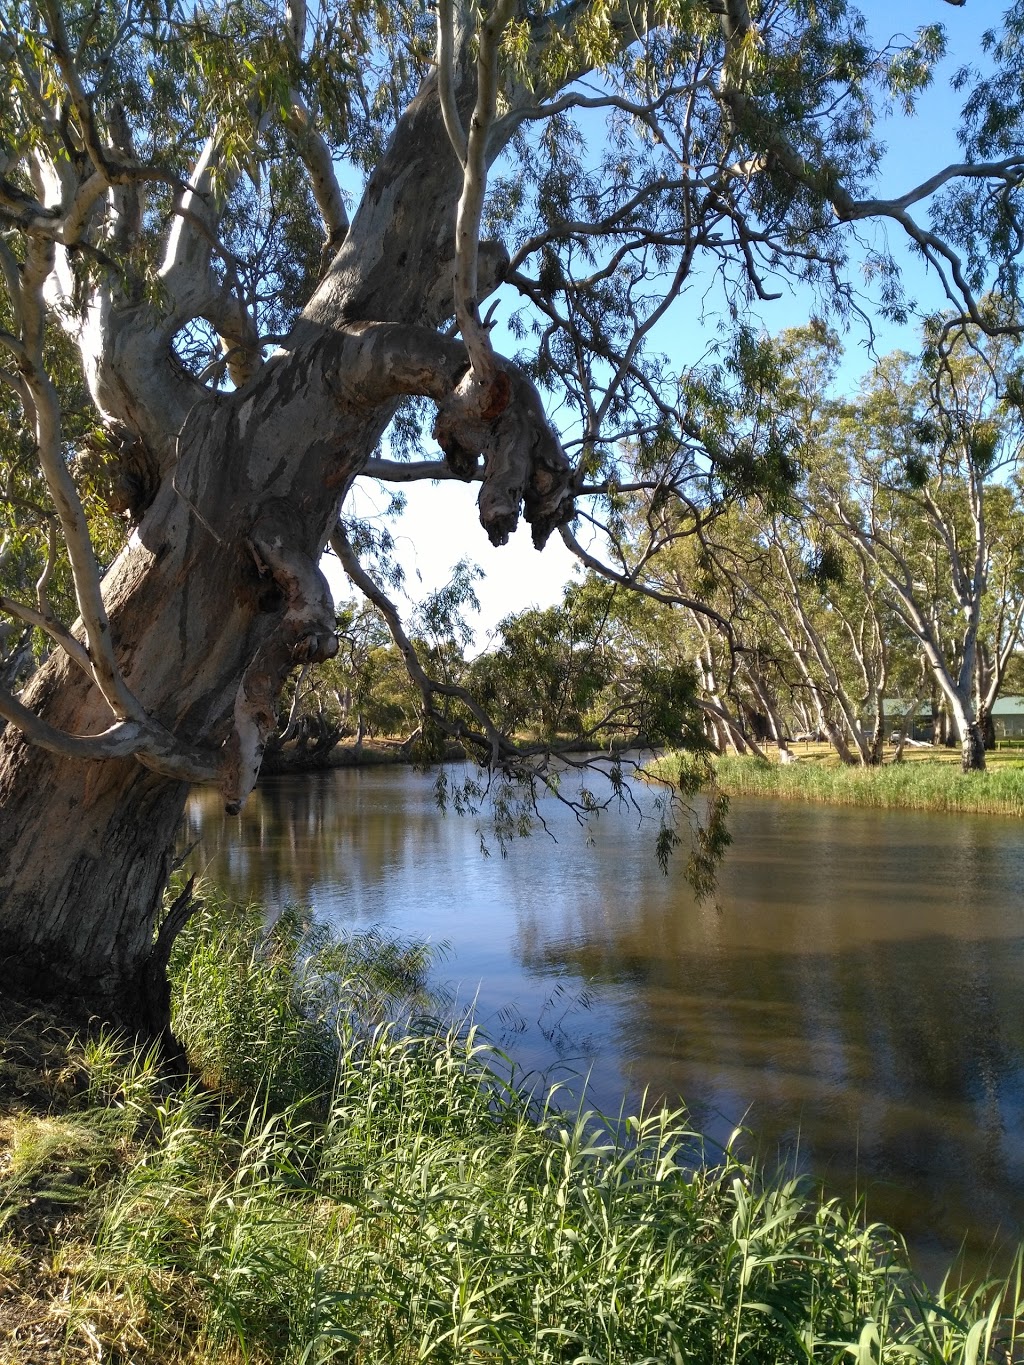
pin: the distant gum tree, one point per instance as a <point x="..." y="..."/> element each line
<point x="927" y="486"/>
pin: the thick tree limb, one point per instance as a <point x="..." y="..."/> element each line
<point x="319" y="163"/>
<point x="184" y="270"/>
<point x="412" y="471"/>
<point x="126" y="739"/>
<point x="484" y="388"/>
<point x="44" y="621"/>
<point x="85" y="571"/>
<point x="524" y="464"/>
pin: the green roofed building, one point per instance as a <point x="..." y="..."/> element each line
<point x="1008" y="718"/>
<point x="918" y="727"/>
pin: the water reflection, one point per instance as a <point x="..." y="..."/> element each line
<point x="856" y="995"/>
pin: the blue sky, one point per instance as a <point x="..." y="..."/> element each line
<point x="440" y="526"/>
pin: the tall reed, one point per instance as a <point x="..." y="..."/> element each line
<point x="421" y="1205"/>
<point x="920" y="785"/>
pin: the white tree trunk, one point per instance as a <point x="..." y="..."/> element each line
<point x="217" y="596"/>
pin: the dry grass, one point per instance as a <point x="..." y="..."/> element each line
<point x="50" y="1163"/>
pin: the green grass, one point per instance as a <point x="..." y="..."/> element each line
<point x="922" y="784"/>
<point x="367" y="1183"/>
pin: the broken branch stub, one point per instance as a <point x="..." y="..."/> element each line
<point x="524" y="464"/>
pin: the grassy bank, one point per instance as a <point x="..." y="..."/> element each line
<point x="923" y="783"/>
<point x="346" y="1179"/>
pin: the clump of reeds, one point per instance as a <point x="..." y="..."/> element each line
<point x="259" y="1005"/>
<point x="419" y="1205"/>
<point x="921" y="785"/>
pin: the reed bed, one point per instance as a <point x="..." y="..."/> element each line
<point x="925" y="784"/>
<point x="369" y="1183"/>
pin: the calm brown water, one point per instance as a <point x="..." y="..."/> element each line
<point x="856" y="998"/>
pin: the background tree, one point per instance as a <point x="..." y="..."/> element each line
<point x="926" y="487"/>
<point x="600" y="668"/>
<point x="893" y="541"/>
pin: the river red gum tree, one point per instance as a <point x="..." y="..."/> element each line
<point x="217" y="594"/>
<point x="127" y="223"/>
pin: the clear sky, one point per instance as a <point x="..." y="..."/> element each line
<point x="440" y="524"/>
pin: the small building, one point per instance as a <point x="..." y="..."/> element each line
<point x="896" y="720"/>
<point x="1008" y="718"/>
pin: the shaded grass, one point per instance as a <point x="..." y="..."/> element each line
<point x="369" y="1183"/>
<point x="923" y="784"/>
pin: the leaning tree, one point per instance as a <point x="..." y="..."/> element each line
<point x="175" y="189"/>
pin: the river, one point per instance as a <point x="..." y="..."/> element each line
<point x="855" y="997"/>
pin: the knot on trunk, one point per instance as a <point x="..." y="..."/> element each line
<point x="503" y="419"/>
<point x="462" y="427"/>
<point x="121" y="469"/>
<point x="304" y="635"/>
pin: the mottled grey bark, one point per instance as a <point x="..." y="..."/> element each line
<point x="84" y="846"/>
<point x="972" y="748"/>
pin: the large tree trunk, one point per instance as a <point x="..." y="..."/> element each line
<point x="988" y="729"/>
<point x="84" y="857"/>
<point x="85" y="847"/>
<point x="970" y="732"/>
<point x="972" y="749"/>
<point x="876" y="742"/>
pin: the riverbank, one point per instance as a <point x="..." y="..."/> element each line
<point x="383" y="753"/>
<point x="371" y="753"/>
<point x="926" y="782"/>
<point x="346" y="1178"/>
